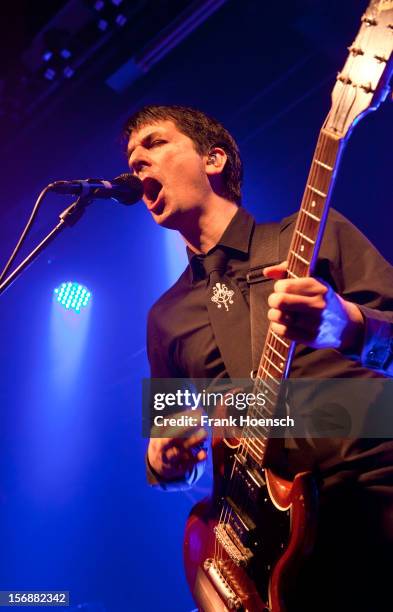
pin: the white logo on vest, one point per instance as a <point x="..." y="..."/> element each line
<point x="222" y="295"/>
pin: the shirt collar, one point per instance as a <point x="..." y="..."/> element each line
<point x="236" y="237"/>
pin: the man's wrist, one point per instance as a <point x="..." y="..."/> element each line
<point x="353" y="336"/>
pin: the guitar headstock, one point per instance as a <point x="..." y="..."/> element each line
<point x="363" y="83"/>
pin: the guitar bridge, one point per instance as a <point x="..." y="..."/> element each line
<point x="222" y="587"/>
<point x="239" y="554"/>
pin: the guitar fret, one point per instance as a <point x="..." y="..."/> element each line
<point x="252" y="452"/>
<point x="262" y="411"/>
<point x="257" y="438"/>
<point x="292" y="274"/>
<point x="320" y="193"/>
<point x="317" y="161"/>
<point x="306" y="212"/>
<point x="275" y="351"/>
<point x="305" y="237"/>
<point x="268" y="387"/>
<point x="268" y="398"/>
<point x="273" y="364"/>
<point x="273" y="403"/>
<point x="300" y="257"/>
<point x="270" y="376"/>
<point x="279" y="339"/>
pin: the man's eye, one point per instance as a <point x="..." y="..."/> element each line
<point x="157" y="142"/>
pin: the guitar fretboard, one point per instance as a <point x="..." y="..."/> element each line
<point x="303" y="252"/>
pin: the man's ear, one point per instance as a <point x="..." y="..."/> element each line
<point x="215" y="161"/>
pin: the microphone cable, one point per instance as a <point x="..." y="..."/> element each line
<point x="25" y="232"/>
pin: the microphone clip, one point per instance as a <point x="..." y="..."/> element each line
<point x="71" y="215"/>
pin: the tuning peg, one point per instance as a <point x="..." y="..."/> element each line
<point x="343" y="79"/>
<point x="369" y="21"/>
<point x="367" y="88"/>
<point x="381" y="58"/>
<point x="355" y="50"/>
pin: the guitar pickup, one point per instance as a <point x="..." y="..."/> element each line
<point x="251" y="482"/>
<point x="241" y="524"/>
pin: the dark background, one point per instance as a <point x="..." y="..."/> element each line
<point x="75" y="511"/>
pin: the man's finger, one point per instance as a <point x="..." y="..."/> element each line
<point x="172" y="454"/>
<point x="301" y="286"/>
<point x="195" y="439"/>
<point x="202" y="455"/>
<point x="277" y="271"/>
<point x="297" y="303"/>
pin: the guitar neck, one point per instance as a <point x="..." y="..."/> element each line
<point x="303" y="252"/>
<point x="311" y="219"/>
<point x="360" y="87"/>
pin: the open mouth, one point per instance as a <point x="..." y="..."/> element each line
<point x="151" y="190"/>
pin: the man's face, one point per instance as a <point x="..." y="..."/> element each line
<point x="173" y="173"/>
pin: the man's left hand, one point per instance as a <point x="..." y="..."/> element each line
<point x="307" y="310"/>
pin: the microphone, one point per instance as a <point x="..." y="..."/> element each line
<point x="126" y="188"/>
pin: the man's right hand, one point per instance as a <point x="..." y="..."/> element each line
<point x="177" y="450"/>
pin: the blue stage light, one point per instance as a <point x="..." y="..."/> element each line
<point x="121" y="20"/>
<point x="72" y="296"/>
<point x="65" y="53"/>
<point x="68" y="72"/>
<point x="47" y="56"/>
<point x="50" y="74"/>
<point x="102" y="25"/>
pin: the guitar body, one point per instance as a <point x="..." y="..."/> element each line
<point x="281" y="525"/>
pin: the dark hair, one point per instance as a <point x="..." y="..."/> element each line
<point x="204" y="131"/>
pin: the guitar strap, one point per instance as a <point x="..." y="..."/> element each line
<point x="265" y="251"/>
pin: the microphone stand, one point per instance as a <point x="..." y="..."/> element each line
<point x="68" y="217"/>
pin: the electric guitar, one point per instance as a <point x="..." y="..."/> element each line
<point x="243" y="546"/>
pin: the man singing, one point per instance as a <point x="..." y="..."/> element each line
<point x="341" y="321"/>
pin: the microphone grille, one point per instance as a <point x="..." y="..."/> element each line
<point x="133" y="188"/>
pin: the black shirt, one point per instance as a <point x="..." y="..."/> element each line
<point x="181" y="341"/>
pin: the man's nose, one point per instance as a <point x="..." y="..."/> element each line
<point x="139" y="160"/>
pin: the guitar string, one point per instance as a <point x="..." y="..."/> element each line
<point x="305" y="220"/>
<point x="274" y="343"/>
<point x="231" y="489"/>
<point x="301" y="226"/>
<point x="267" y="368"/>
<point x="233" y="486"/>
<point x="293" y="262"/>
<point x="245" y="443"/>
